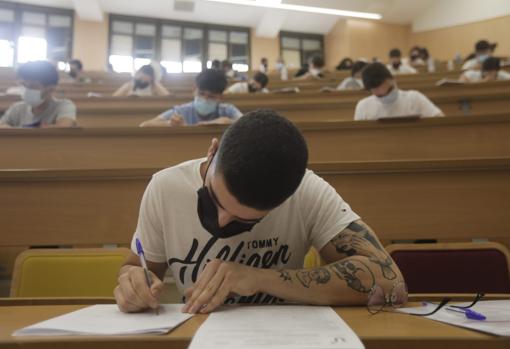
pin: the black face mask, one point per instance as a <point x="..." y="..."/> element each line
<point x="396" y="65"/>
<point x="208" y="215"/>
<point x="140" y="84"/>
<point x="252" y="88"/>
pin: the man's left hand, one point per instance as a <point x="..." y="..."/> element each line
<point x="218" y="280"/>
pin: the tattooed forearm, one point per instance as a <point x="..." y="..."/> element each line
<point x="356" y="274"/>
<point x="357" y="239"/>
<point x="318" y="275"/>
<point x="285" y="275"/>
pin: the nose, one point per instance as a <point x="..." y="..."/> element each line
<point x="224" y="217"/>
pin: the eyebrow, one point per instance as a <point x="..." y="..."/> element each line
<point x="215" y="198"/>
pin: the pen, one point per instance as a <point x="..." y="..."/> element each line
<point x="470" y="314"/>
<point x="141" y="254"/>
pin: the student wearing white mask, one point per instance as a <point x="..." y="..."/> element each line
<point x="483" y="50"/>
<point x="387" y="100"/>
<point x="206" y="108"/>
<point x="396" y="66"/>
<point x="491" y="71"/>
<point x="313" y="70"/>
<point x="38" y="107"/>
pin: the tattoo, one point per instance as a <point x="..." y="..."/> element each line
<point x="357" y="239"/>
<point x="356" y="274"/>
<point x="285" y="275"/>
<point x="319" y="275"/>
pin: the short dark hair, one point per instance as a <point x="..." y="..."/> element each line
<point x="216" y="64"/>
<point x="263" y="158"/>
<point x="357" y="67"/>
<point x="317" y="61"/>
<point x="491" y="64"/>
<point x="77" y="63"/>
<point x="395" y="53"/>
<point x="211" y="80"/>
<point x="147" y="70"/>
<point x="41" y="71"/>
<point x="484" y="45"/>
<point x="374" y="75"/>
<point x="261" y="78"/>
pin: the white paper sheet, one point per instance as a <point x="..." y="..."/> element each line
<point x="275" y="327"/>
<point x="107" y="319"/>
<point x="497" y="313"/>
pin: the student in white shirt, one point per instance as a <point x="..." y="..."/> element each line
<point x="264" y="67"/>
<point x="491" y="71"/>
<point x="396" y="66"/>
<point x="354" y="82"/>
<point x="256" y="84"/>
<point x="234" y="227"/>
<point x="312" y="70"/>
<point x="143" y="84"/>
<point x="387" y="100"/>
<point x="483" y="50"/>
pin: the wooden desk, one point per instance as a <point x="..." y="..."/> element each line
<point x="458" y="199"/>
<point x="434" y="138"/>
<point x="384" y="330"/>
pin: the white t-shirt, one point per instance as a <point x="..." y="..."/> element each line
<point x="238" y="87"/>
<point x="476" y="75"/>
<point x="408" y="103"/>
<point x="472" y="63"/>
<point x="350" y="83"/>
<point x="170" y="230"/>
<point x="402" y="69"/>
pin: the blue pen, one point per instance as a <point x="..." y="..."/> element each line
<point x="141" y="254"/>
<point x="470" y="314"/>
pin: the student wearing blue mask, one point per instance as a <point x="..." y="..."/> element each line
<point x="387" y="100"/>
<point x="235" y="226"/>
<point x="38" y="107"/>
<point x="206" y="108"/>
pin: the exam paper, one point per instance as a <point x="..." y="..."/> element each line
<point x="275" y="327"/>
<point x="107" y="319"/>
<point x="497" y="313"/>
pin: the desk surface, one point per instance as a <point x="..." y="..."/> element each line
<point x="384" y="330"/>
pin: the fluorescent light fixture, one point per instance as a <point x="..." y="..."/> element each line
<point x="276" y="4"/>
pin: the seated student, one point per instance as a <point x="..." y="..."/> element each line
<point x="354" y="82"/>
<point x="396" y="66"/>
<point x="312" y="70"/>
<point x="216" y="64"/>
<point x="144" y="83"/>
<point x="38" y="107"/>
<point x="264" y="66"/>
<point x="230" y="73"/>
<point x="256" y="84"/>
<point x="234" y="227"/>
<point x="76" y="72"/>
<point x="416" y="57"/>
<point x="206" y="108"/>
<point x="387" y="100"/>
<point x="491" y="71"/>
<point x="483" y="50"/>
<point x="345" y="64"/>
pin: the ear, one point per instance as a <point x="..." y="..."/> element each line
<point x="213" y="148"/>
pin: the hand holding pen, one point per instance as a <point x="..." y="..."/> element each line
<point x="143" y="262"/>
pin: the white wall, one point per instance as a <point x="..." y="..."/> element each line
<point x="447" y="13"/>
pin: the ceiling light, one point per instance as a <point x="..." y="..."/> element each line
<point x="276" y="4"/>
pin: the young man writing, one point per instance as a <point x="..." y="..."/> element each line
<point x="235" y="227"/>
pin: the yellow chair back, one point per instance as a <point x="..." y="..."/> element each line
<point x="67" y="272"/>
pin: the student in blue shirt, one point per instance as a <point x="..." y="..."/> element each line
<point x="206" y="108"/>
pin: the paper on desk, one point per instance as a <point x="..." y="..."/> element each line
<point x="275" y="327"/>
<point x="497" y="313"/>
<point x="107" y="319"/>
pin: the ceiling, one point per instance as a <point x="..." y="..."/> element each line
<point x="266" y="22"/>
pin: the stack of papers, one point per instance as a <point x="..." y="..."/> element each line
<point x="108" y="320"/>
<point x="275" y="327"/>
<point x="496" y="312"/>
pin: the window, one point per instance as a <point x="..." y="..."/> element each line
<point x="178" y="46"/>
<point x="297" y="48"/>
<point x="29" y="33"/>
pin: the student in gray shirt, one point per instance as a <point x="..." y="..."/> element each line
<point x="38" y="107"/>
